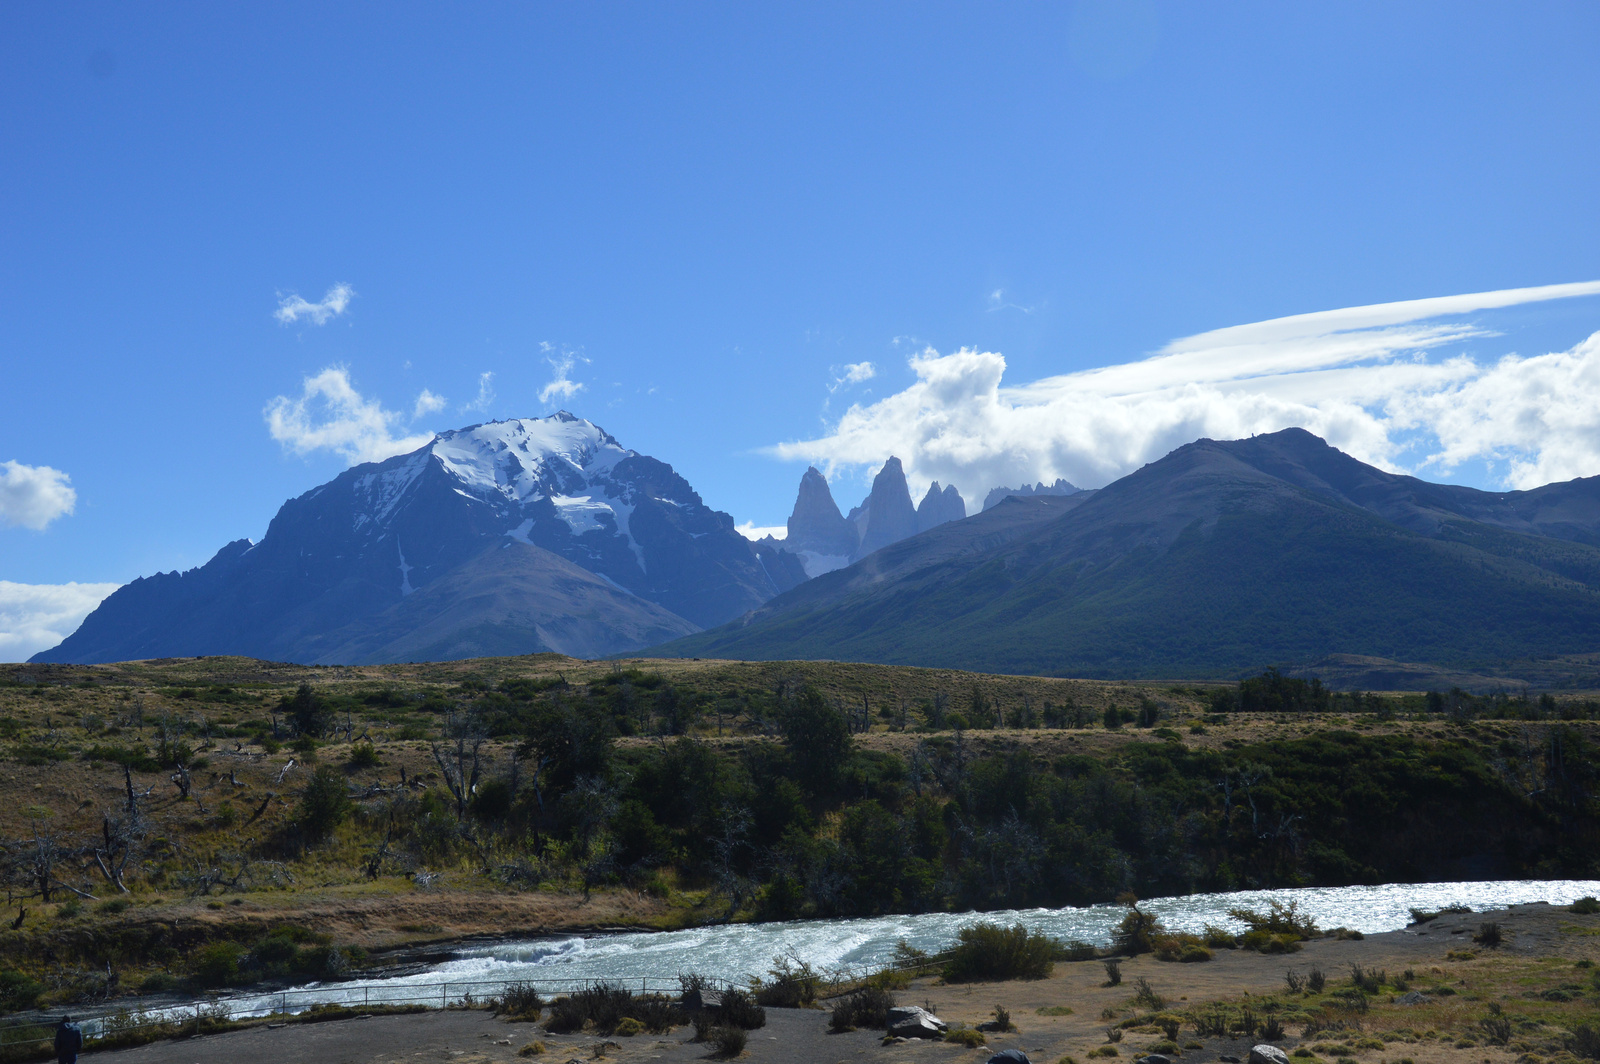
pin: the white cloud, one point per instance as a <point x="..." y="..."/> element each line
<point x="851" y="373"/>
<point x="35" y="617"/>
<point x="751" y="530"/>
<point x="331" y="415"/>
<point x="292" y="308"/>
<point x="561" y="387"/>
<point x="427" y="403"/>
<point x="1364" y="378"/>
<point x="33" y="496"/>
<point x="998" y="301"/>
<point x="486" y="394"/>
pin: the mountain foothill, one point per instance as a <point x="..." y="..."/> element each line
<point x="536" y="535"/>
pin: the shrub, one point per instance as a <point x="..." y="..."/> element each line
<point x="1266" y="942"/>
<point x="657" y="1012"/>
<point x="324" y="804"/>
<point x="18" y="991"/>
<point x="1587" y="905"/>
<point x="1272" y="1030"/>
<point x="521" y="1002"/>
<point x="217" y="964"/>
<point x="567" y="1016"/>
<point x="867" y="1007"/>
<point x="1137" y="933"/>
<point x="629" y="1027"/>
<point x="1279" y="919"/>
<point x="1489" y="935"/>
<point x="1105" y="1051"/>
<point x="1169" y="1025"/>
<point x="1219" y="937"/>
<point x="1113" y="972"/>
<point x="727" y="1041"/>
<point x="1586" y="1042"/>
<point x="1369" y="980"/>
<point x="741" y="1010"/>
<point x="1002" y="1019"/>
<point x="793" y="984"/>
<point x="1496" y="1030"/>
<point x="988" y="951"/>
<point x="363" y="755"/>
<point x="532" y="1049"/>
<point x="1315" y="980"/>
<point x="1144" y="994"/>
<point x="964" y="1036"/>
<point x="1186" y="949"/>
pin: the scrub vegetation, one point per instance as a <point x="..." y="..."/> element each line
<point x="209" y="822"/>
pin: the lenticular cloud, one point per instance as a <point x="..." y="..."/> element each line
<point x="1377" y="382"/>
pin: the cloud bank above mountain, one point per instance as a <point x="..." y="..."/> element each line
<point x="1371" y="380"/>
<point x="34" y="617"/>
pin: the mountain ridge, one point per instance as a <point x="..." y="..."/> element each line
<point x="1216" y="559"/>
<point x="377" y="533"/>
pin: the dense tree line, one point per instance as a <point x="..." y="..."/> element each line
<point x="801" y="821"/>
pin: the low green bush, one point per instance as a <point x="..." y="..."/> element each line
<point x="987" y="951"/>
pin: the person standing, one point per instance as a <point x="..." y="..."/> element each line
<point x="69" y="1041"/>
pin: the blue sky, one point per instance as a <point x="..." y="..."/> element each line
<point x="710" y="212"/>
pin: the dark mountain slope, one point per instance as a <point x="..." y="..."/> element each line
<point x="1219" y="558"/>
<point x="513" y="598"/>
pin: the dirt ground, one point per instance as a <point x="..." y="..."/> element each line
<point x="1066" y="1015"/>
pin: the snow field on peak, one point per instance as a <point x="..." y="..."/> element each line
<point x="513" y="457"/>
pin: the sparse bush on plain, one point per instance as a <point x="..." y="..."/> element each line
<point x="1278" y="920"/>
<point x="1489" y="935"/>
<point x="866" y="1007"/>
<point x="987" y="951"/>
<point x="1113" y="972"/>
<point x="1587" y="905"/>
<point x="521" y="1002"/>
<point x="964" y="1036"/>
<point x="1137" y="933"/>
<point x="727" y="1040"/>
<point x="1145" y="996"/>
<point x="792" y="984"/>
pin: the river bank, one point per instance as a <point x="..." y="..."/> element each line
<point x="1541" y="980"/>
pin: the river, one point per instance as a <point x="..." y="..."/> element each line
<point x="735" y="952"/>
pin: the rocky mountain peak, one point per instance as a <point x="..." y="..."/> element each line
<point x="887" y="516"/>
<point x="939" y="506"/>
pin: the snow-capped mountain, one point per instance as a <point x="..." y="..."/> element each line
<point x="340" y="559"/>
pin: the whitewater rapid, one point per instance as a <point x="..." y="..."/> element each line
<point x="736" y="952"/>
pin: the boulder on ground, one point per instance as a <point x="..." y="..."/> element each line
<point x="1009" y="1056"/>
<point x="1265" y="1054"/>
<point x="909" y="1021"/>
<point x="697" y="1000"/>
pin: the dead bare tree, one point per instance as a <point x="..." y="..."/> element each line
<point x="462" y="766"/>
<point x="122" y="840"/>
